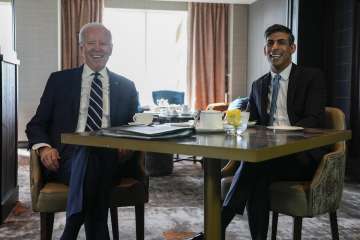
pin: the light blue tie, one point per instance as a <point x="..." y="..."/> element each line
<point x="275" y="92"/>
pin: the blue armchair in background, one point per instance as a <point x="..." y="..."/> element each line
<point x="173" y="97"/>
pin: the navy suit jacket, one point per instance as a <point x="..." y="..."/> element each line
<point x="306" y="99"/>
<point x="306" y="107"/>
<point x="58" y="110"/>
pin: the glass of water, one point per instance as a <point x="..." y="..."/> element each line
<point x="244" y="119"/>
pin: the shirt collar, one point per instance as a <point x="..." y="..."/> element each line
<point x="285" y="74"/>
<point x="87" y="71"/>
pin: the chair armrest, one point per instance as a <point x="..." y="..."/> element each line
<point x="229" y="169"/>
<point x="135" y="168"/>
<point x="140" y="172"/>
<point x="327" y="184"/>
<point x="36" y="178"/>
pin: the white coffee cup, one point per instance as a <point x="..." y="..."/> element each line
<point x="143" y="118"/>
<point x="210" y="120"/>
<point x="185" y="109"/>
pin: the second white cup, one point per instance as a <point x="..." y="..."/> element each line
<point x="143" y="118"/>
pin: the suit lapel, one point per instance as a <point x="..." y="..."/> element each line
<point x="264" y="95"/>
<point x="113" y="91"/>
<point x="293" y="78"/>
<point x="76" y="80"/>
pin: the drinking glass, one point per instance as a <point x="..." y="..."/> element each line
<point x="237" y="122"/>
<point x="244" y="119"/>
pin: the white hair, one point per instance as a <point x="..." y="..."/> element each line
<point x="85" y="27"/>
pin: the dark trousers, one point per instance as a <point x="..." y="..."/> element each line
<point x="250" y="188"/>
<point x="103" y="170"/>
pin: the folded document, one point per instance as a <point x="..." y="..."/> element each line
<point x="162" y="131"/>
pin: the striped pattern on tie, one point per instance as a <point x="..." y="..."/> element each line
<point x="95" y="111"/>
<point x="274" y="96"/>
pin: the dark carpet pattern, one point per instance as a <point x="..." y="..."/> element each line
<point x="176" y="209"/>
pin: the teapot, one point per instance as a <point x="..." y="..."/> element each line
<point x="211" y="120"/>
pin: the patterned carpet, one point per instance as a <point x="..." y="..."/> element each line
<point x="175" y="212"/>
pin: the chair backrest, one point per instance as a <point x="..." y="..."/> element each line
<point x="218" y="106"/>
<point x="327" y="184"/>
<point x="335" y="119"/>
<point x="173" y="97"/>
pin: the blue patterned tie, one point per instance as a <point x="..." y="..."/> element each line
<point x="95" y="110"/>
<point x="275" y="92"/>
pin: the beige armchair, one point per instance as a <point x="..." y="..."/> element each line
<point x="50" y="197"/>
<point x="320" y="195"/>
<point x="309" y="198"/>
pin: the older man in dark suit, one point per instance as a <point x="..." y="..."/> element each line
<point x="289" y="95"/>
<point x="76" y="100"/>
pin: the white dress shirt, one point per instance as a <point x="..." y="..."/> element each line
<point x="86" y="79"/>
<point x="281" y="117"/>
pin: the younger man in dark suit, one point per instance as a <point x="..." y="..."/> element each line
<point x="76" y="100"/>
<point x="288" y="95"/>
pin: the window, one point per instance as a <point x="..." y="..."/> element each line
<point x="150" y="48"/>
<point x="6" y="26"/>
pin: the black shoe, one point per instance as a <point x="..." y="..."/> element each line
<point x="199" y="236"/>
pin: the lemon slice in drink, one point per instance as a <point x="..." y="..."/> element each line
<point x="233" y="117"/>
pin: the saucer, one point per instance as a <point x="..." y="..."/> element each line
<point x="136" y="124"/>
<point x="209" y="130"/>
<point x="286" y="128"/>
<point x="251" y="123"/>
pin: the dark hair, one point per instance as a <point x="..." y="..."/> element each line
<point x="279" y="28"/>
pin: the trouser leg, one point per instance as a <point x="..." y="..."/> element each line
<point x="226" y="217"/>
<point x="240" y="188"/>
<point x="72" y="226"/>
<point x="258" y="209"/>
<point x="97" y="187"/>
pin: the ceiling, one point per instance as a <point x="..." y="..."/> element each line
<point x="213" y="1"/>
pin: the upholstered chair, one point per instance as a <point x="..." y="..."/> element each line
<point x="50" y="197"/>
<point x="173" y="97"/>
<point x="320" y="195"/>
<point x="220" y="106"/>
<point x="307" y="198"/>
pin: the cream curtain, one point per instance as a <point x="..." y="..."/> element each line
<point x="74" y="14"/>
<point x="207" y="57"/>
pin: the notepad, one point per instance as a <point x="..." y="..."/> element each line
<point x="162" y="131"/>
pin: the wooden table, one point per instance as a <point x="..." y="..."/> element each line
<point x="257" y="144"/>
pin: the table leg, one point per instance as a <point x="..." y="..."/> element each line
<point x="212" y="201"/>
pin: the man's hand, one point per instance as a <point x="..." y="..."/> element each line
<point x="49" y="157"/>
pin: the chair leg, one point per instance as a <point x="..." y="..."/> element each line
<point x="46" y="225"/>
<point x="334" y="226"/>
<point x="297" y="228"/>
<point x="139" y="218"/>
<point x="275" y="217"/>
<point x="114" y="222"/>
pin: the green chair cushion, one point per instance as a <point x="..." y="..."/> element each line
<point x="52" y="198"/>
